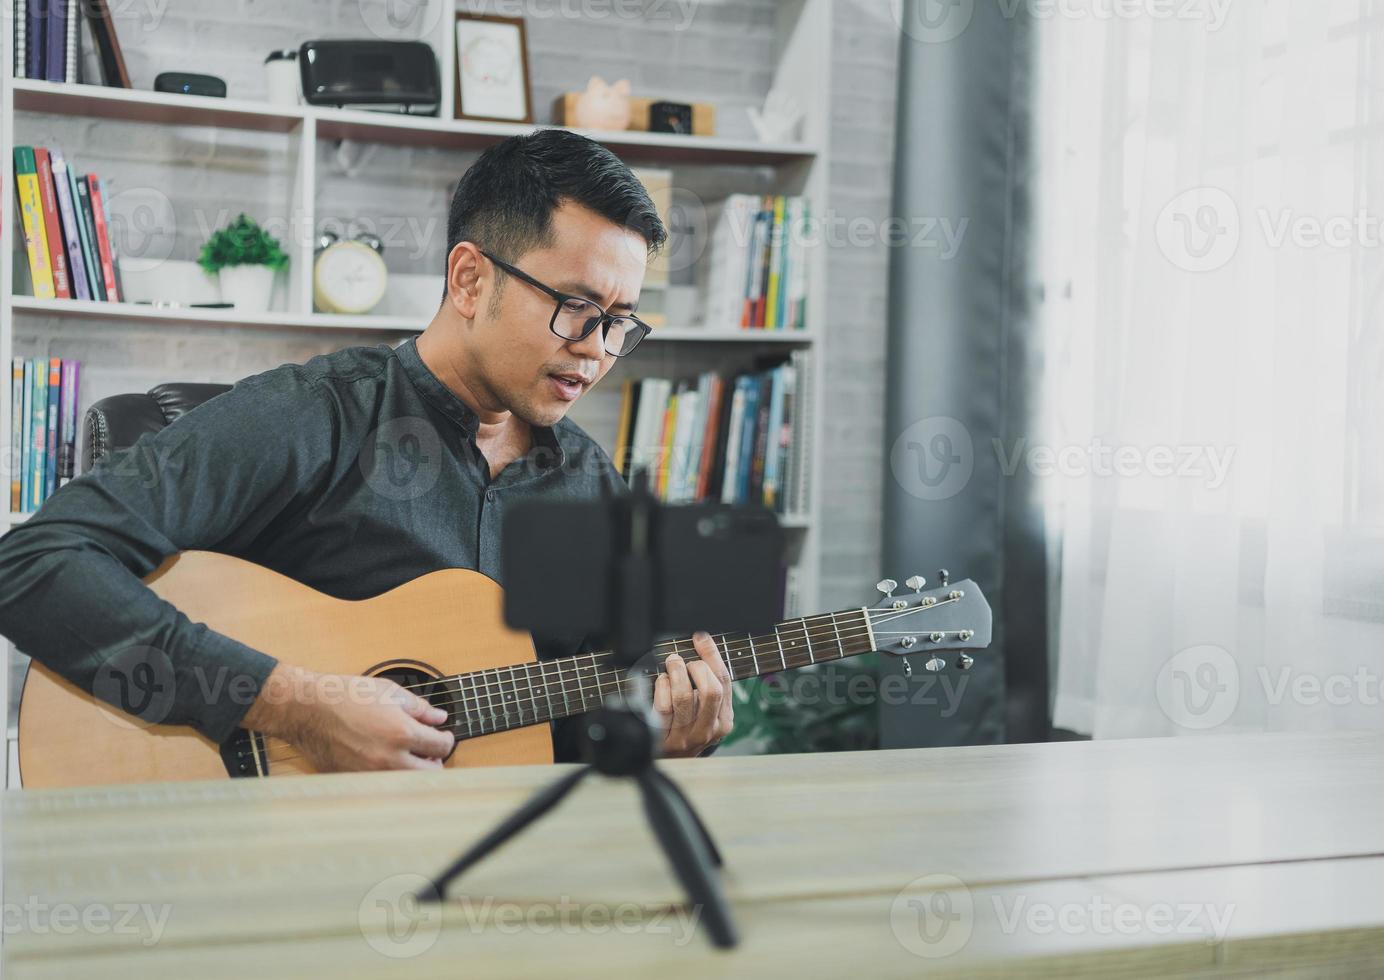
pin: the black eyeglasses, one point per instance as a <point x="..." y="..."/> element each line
<point x="574" y="318"/>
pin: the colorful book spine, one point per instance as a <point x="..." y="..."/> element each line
<point x="55" y="41"/>
<point x="15" y="455"/>
<point x="26" y="436"/>
<point x="36" y="38"/>
<point x="67" y="447"/>
<point x="772" y="304"/>
<point x="771" y="441"/>
<point x="79" y="210"/>
<point x="31" y="220"/>
<point x="90" y="244"/>
<point x="52" y="224"/>
<point x="39" y="446"/>
<point x="67" y="212"/>
<point x="50" y="459"/>
<point x="103" y="240"/>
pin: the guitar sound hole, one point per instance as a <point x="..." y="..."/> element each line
<point x="426" y="684"/>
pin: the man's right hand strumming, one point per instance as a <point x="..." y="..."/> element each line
<point x="341" y="723"/>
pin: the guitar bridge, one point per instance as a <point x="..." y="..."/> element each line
<point x="243" y="754"/>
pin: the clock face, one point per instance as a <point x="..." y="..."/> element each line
<point x="349" y="278"/>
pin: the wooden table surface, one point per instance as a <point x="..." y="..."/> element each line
<point x="1227" y="855"/>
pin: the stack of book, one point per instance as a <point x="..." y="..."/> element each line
<point x="47" y="40"/>
<point x="43" y="403"/>
<point x="66" y="228"/>
<point x="737" y="440"/>
<point x="757" y="263"/>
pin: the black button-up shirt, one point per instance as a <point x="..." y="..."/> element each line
<point x="353" y="473"/>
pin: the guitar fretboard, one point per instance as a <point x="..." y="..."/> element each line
<point x="484" y="702"/>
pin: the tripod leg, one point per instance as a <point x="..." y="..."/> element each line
<point x="537" y="805"/>
<point x="674" y="825"/>
<point x="676" y="790"/>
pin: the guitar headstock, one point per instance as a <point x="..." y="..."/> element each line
<point x="951" y="617"/>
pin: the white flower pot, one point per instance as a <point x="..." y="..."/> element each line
<point x="248" y="287"/>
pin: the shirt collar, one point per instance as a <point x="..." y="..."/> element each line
<point x="462" y="414"/>
<point x="434" y="390"/>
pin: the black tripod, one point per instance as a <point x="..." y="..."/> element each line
<point x="619" y="742"/>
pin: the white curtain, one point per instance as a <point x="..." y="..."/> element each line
<point x="1211" y="208"/>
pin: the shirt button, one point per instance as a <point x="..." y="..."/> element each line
<point x="490" y="495"/>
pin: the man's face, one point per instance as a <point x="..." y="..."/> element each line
<point x="527" y="368"/>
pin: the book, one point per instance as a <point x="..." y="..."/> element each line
<point x="103" y="240"/>
<point x="71" y="25"/>
<point x="775" y="266"/>
<point x="709" y="436"/>
<point x="55" y="40"/>
<point x="76" y="265"/>
<point x="731" y="478"/>
<point x="35" y="39"/>
<point x="26" y="435"/>
<point x="119" y="290"/>
<point x="52" y="225"/>
<point x="15" y="456"/>
<point x="31" y="221"/>
<point x="90" y="243"/>
<point x="39" y="434"/>
<point x="79" y="210"/>
<point x="113" y="73"/>
<point x="50" y="464"/>
<point x="21" y="38"/>
<point x="67" y="434"/>
<point x="622" y="428"/>
<point x="772" y="438"/>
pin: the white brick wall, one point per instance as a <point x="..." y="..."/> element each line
<point x="719" y="57"/>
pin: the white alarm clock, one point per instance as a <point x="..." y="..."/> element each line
<point x="348" y="276"/>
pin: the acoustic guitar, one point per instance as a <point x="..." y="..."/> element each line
<point x="498" y="696"/>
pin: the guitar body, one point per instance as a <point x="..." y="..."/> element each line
<point x="445" y="623"/>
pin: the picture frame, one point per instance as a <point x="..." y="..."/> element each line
<point x="491" y="81"/>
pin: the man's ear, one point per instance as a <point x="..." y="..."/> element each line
<point x="466" y="268"/>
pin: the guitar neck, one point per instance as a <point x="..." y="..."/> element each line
<point x="487" y="701"/>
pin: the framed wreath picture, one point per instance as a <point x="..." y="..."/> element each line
<point x="492" y="78"/>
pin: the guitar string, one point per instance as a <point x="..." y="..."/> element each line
<point x="737" y="648"/>
<point x="614" y="679"/>
<point x="606" y="686"/>
<point x="603" y="686"/>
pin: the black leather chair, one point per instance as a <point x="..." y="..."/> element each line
<point x="118" y="421"/>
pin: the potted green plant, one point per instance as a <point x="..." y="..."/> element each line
<point x="244" y="257"/>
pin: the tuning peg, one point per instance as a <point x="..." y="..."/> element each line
<point x="935" y="664"/>
<point x="944" y="576"/>
<point x="965" y="661"/>
<point x="887" y="586"/>
<point x="916" y="583"/>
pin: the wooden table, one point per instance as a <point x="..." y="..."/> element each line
<point x="1232" y="855"/>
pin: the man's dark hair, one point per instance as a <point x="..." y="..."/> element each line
<point x="505" y="201"/>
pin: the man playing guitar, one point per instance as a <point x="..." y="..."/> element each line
<point x="368" y="467"/>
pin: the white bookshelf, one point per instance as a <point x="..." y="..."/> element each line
<point x="802" y="66"/>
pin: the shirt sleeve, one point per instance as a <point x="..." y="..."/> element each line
<point x="71" y="594"/>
